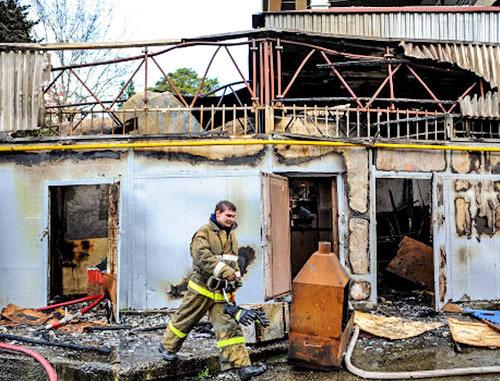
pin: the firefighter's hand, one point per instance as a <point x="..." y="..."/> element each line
<point x="247" y="317"/>
<point x="262" y="319"/>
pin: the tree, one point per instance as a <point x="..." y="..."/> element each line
<point x="128" y="93"/>
<point x="186" y="80"/>
<point x="80" y="21"/>
<point x="14" y="23"/>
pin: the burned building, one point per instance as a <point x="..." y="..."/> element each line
<point x="355" y="126"/>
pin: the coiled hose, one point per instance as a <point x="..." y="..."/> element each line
<point x="37" y="356"/>
<point x="410" y="374"/>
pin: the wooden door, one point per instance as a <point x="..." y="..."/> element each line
<point x="277" y="269"/>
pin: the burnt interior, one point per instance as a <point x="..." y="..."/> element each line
<point x="77" y="212"/>
<point x="403" y="209"/>
<point x="310" y="217"/>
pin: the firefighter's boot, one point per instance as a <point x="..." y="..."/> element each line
<point x="247" y="372"/>
<point x="167" y="355"/>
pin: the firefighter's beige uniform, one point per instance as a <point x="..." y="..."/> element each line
<point x="214" y="253"/>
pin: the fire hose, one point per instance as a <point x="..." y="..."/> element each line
<point x="76" y="315"/>
<point x="37" y="356"/>
<point x="410" y="374"/>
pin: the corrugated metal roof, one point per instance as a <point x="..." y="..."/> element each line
<point x="22" y="77"/>
<point x="481" y="25"/>
<point x="481" y="107"/>
<point x="482" y="60"/>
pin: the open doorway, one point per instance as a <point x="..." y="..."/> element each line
<point x="311" y="217"/>
<point x="83" y="226"/>
<point x="404" y="236"/>
<point x="298" y="213"/>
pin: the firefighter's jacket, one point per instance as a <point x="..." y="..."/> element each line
<point x="214" y="252"/>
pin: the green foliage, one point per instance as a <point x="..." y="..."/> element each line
<point x="203" y="374"/>
<point x="127" y="93"/>
<point x="14" y="23"/>
<point x="186" y="81"/>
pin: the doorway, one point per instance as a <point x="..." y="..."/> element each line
<point x="311" y="217"/>
<point x="404" y="236"/>
<point x="83" y="226"/>
<point x="299" y="211"/>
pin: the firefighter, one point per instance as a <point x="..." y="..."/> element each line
<point x="212" y="282"/>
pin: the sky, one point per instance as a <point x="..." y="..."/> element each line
<point x="169" y="19"/>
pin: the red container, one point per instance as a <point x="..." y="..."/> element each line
<point x="94" y="281"/>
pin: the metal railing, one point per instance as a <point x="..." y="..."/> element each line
<point x="331" y="122"/>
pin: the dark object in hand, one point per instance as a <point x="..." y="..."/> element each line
<point x="246" y="317"/>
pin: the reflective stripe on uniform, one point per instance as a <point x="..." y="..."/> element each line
<point x="237" y="317"/>
<point x="230" y="257"/>
<point x="182" y="335"/>
<point x="234" y="340"/>
<point x="218" y="268"/>
<point x="203" y="291"/>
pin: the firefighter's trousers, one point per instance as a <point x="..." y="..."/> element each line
<point x="230" y="341"/>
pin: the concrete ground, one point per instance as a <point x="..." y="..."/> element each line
<point x="135" y="356"/>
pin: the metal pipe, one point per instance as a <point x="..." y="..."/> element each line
<point x="126" y="84"/>
<point x="297" y="72"/>
<point x="326" y="99"/>
<point x="271" y="58"/>
<point x="204" y="77"/>
<point x="463" y="95"/>
<point x="254" y="67"/>
<point x="279" y="48"/>
<point x="437" y="147"/>
<point x="146" y="80"/>
<point x="54" y="81"/>
<point x="425" y="86"/>
<point x="133" y="58"/>
<point x="410" y="374"/>
<point x="261" y="73"/>
<point x="267" y="95"/>
<point x="170" y="82"/>
<point x="389" y="77"/>
<point x="239" y="72"/>
<point x="346" y="85"/>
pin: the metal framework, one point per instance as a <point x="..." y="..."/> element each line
<point x="267" y="88"/>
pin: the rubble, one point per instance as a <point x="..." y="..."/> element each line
<point x="392" y="327"/>
<point x="474" y="333"/>
<point x="414" y="262"/>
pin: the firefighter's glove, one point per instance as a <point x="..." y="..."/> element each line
<point x="244" y="316"/>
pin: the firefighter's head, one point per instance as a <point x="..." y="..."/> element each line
<point x="225" y="213"/>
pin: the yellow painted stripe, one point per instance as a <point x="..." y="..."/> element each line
<point x="182" y="335"/>
<point x="237" y="317"/>
<point x="234" y="340"/>
<point x="203" y="291"/>
<point x="196" y="143"/>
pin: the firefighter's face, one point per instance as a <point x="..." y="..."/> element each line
<point x="225" y="218"/>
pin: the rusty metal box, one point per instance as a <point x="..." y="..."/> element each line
<point x="320" y="325"/>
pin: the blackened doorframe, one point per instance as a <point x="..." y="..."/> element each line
<point x="403" y="209"/>
<point x="80" y="219"/>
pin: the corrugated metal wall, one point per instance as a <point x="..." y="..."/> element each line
<point x="477" y="27"/>
<point x="22" y="77"/>
<point x="485" y="107"/>
<point x="482" y="60"/>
